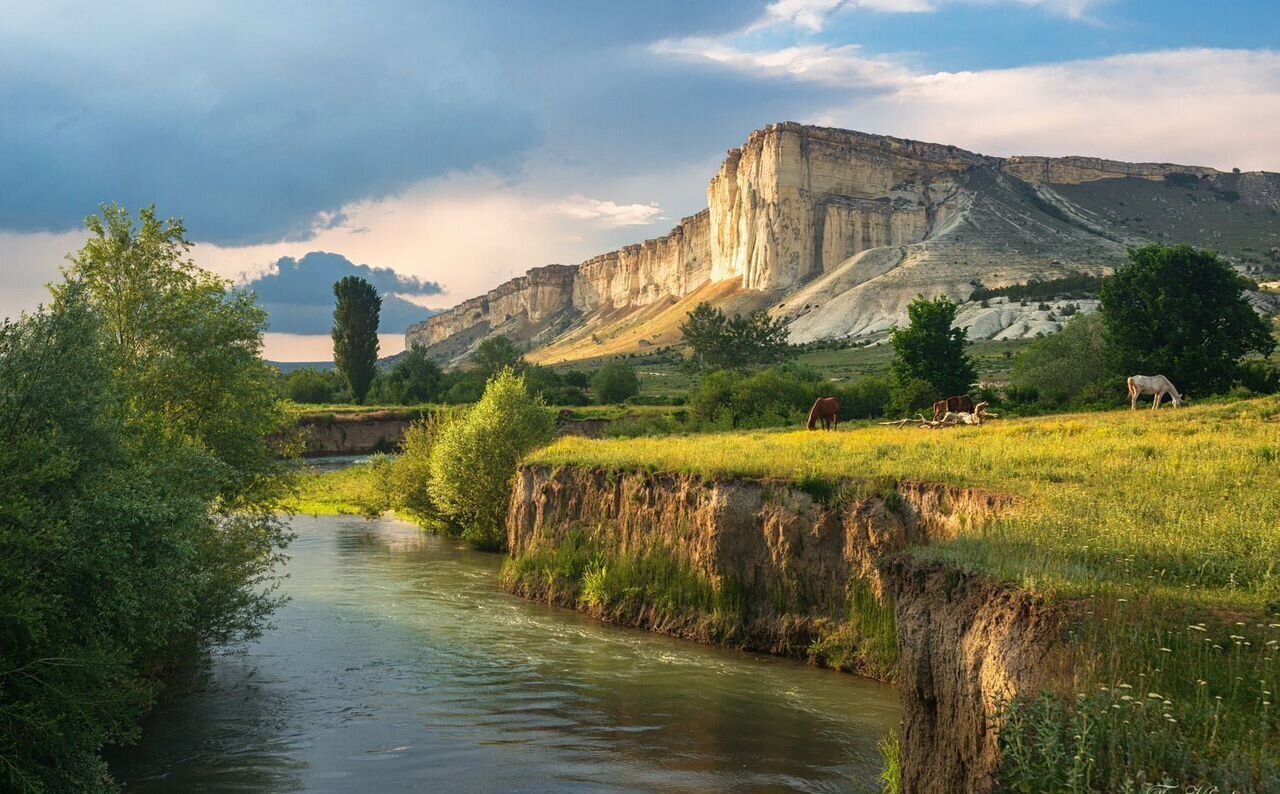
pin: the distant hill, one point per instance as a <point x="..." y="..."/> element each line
<point x="837" y="231"/>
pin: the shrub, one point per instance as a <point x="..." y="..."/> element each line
<point x="1059" y="367"/>
<point x="414" y="379"/>
<point x="867" y="398"/>
<point x="474" y="457"/>
<point x="912" y="396"/>
<point x="615" y="382"/>
<point x="311" y="386"/>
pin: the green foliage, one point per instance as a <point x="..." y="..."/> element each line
<point x="866" y="398"/>
<point x="1180" y="312"/>
<point x="1061" y="367"/>
<point x="740" y="342"/>
<point x="912" y="396"/>
<point x="890" y="748"/>
<point x="866" y="642"/>
<point x="776" y="396"/>
<point x="615" y="382"/>
<point x="553" y="387"/>
<point x="496" y="354"/>
<point x="414" y="379"/>
<point x="312" y="386"/>
<point x="463" y="386"/>
<point x="929" y="349"/>
<point x="355" y="334"/>
<point x="1076" y="283"/>
<point x="137" y="525"/>
<point x="475" y="456"/>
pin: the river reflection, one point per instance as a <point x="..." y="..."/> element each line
<point x="399" y="665"/>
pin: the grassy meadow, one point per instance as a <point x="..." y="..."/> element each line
<point x="1160" y="531"/>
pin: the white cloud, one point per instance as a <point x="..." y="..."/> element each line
<point x="811" y="16"/>
<point x="841" y="66"/>
<point x="1197" y="107"/>
<point x="608" y="214"/>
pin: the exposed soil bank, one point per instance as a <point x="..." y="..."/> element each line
<point x="799" y="557"/>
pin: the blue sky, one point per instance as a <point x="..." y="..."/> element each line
<point x="461" y="143"/>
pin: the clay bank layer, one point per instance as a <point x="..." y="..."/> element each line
<point x="816" y="571"/>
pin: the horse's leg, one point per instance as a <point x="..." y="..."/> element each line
<point x="1155" y="401"/>
<point x="1133" y="399"/>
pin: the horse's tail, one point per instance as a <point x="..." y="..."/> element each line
<point x="813" y="413"/>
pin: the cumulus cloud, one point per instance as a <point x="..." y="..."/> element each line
<point x="298" y="293"/>
<point x="812" y="16"/>
<point x="609" y="214"/>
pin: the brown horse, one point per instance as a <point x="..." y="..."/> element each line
<point x="962" y="404"/>
<point x="826" y="410"/>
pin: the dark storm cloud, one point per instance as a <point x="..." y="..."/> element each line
<point x="247" y="119"/>
<point x="298" y="294"/>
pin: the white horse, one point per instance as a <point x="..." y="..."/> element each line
<point x="1157" y="385"/>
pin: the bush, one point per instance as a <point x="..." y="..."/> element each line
<point x="311" y="386"/>
<point x="463" y="386"/>
<point x="474" y="457"/>
<point x="615" y="382"/>
<point x="867" y="398"/>
<point x="769" y="398"/>
<point x="1061" y="366"/>
<point x="414" y="379"/>
<point x="1259" y="377"/>
<point x="911" y="397"/>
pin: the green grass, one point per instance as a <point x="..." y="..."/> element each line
<point x="350" y="491"/>
<point x="1159" y="531"/>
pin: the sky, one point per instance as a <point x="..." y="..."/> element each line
<point x="446" y="147"/>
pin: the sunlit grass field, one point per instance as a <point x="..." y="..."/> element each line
<point x="1182" y="501"/>
<point x="1159" y="532"/>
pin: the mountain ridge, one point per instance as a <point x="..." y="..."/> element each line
<point x="837" y="230"/>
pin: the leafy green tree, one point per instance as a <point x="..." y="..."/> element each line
<point x="309" y="385"/>
<point x="495" y="354"/>
<point x="474" y="458"/>
<point x="415" y="378"/>
<point x="1180" y="312"/>
<point x="1063" y="366"/>
<point x="929" y="349"/>
<point x="138" y="521"/>
<point x="355" y="334"/>
<point x="911" y="396"/>
<point x="866" y="398"/>
<point x="720" y="342"/>
<point x="615" y="382"/>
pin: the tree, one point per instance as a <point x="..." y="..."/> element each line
<point x="721" y="342"/>
<point x="1063" y="367"/>
<point x="138" y="522"/>
<point x="615" y="382"/>
<point x="415" y="378"/>
<point x="309" y="385"/>
<point x="929" y="349"/>
<point x="355" y="334"/>
<point x="1180" y="312"/>
<point x="474" y="458"/>
<point x="495" y="354"/>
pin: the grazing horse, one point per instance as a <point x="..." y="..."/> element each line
<point x="1157" y="385"/>
<point x="826" y="409"/>
<point x="962" y="404"/>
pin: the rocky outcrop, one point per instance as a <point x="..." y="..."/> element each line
<point x="794" y="554"/>
<point x="843" y="229"/>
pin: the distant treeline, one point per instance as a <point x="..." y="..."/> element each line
<point x="1036" y="289"/>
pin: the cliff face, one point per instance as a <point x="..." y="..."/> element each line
<point x="842" y="229"/>
<point x="964" y="643"/>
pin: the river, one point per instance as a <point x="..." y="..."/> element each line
<point x="398" y="665"/>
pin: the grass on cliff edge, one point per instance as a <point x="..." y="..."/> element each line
<point x="1180" y="502"/>
<point x="1162" y="530"/>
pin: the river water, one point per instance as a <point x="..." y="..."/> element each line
<point x="399" y="665"/>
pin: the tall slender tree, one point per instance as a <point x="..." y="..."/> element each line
<point x="930" y="349"/>
<point x="355" y="334"/>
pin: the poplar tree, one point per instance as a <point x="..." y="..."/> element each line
<point x="355" y="334"/>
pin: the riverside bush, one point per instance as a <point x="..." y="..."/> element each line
<point x="474" y="456"/>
